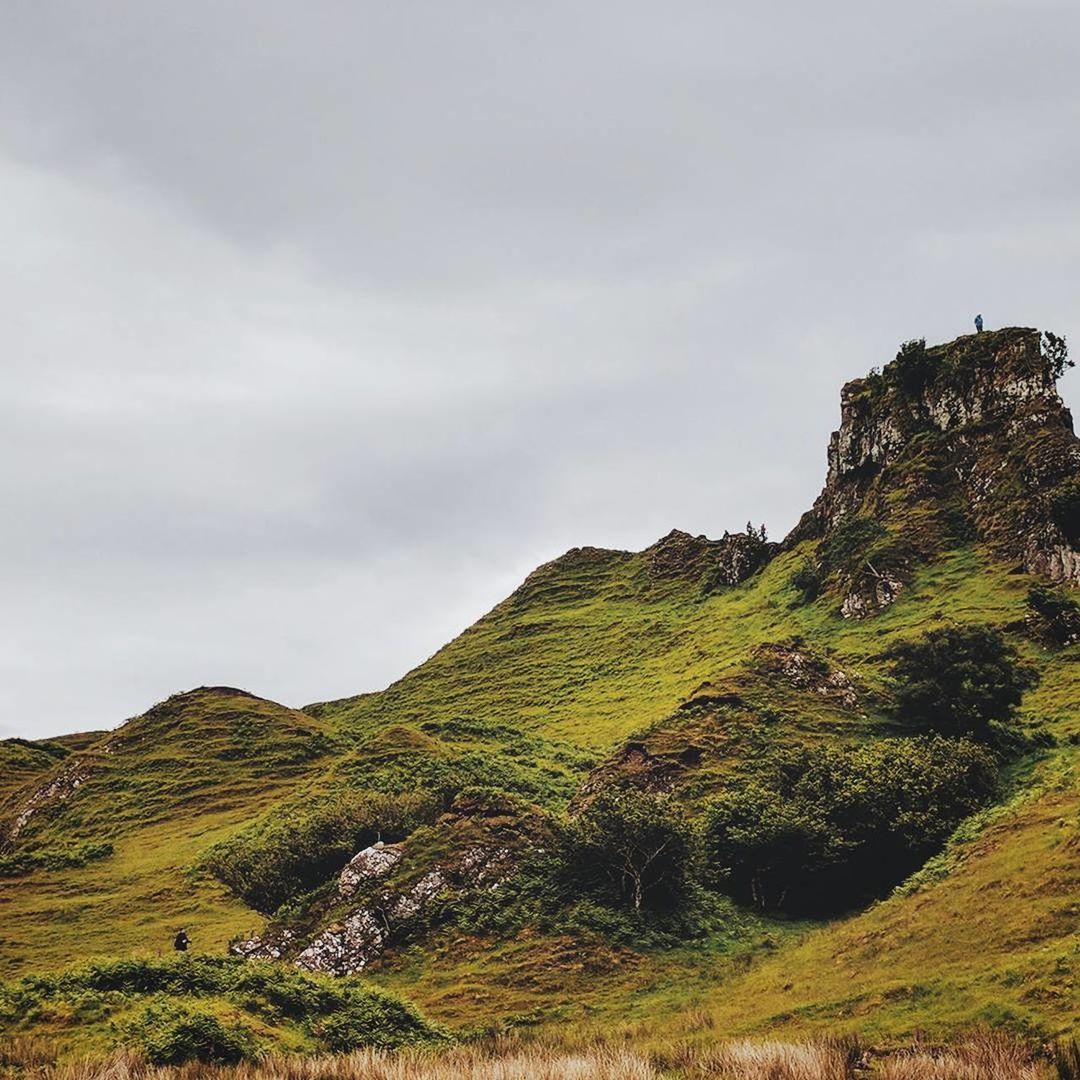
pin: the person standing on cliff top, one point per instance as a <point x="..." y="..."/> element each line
<point x="978" y="324"/>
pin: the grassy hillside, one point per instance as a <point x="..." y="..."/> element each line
<point x="679" y="667"/>
<point x="158" y="790"/>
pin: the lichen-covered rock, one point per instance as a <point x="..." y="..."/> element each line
<point x="370" y="864"/>
<point x="270" y="946"/>
<point x="347" y="947"/>
<point x="876" y="592"/>
<point x="59" y="788"/>
<point x="806" y="672"/>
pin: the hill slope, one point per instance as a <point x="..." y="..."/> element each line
<point x="953" y="487"/>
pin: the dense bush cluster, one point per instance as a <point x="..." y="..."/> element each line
<point x="188" y="1002"/>
<point x="824" y="830"/>
<point x="1065" y="510"/>
<point x="171" y="1034"/>
<point x="913" y="369"/>
<point x="959" y="680"/>
<point x="294" y="850"/>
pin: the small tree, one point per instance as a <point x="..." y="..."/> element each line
<point x="633" y="847"/>
<point x="959" y="680"/>
<point x="1056" y="353"/>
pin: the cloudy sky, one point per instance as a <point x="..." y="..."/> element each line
<point x="323" y="323"/>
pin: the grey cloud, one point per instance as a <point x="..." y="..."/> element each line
<point x="324" y="323"/>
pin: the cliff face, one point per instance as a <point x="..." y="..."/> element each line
<point x="969" y="440"/>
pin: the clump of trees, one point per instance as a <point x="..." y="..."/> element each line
<point x="816" y="831"/>
<point x="631" y="848"/>
<point x="820" y="831"/>
<point x="960" y="681"/>
<point x="297" y="850"/>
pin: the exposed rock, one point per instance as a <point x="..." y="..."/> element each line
<point x="633" y="765"/>
<point x="270" y="946"/>
<point x="59" y="788"/>
<point x="806" y="672"/>
<point x="347" y="947"/>
<point x="876" y="592"/>
<point x="715" y="563"/>
<point x="972" y="432"/>
<point x="371" y="864"/>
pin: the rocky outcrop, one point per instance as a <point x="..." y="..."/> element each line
<point x="806" y="672"/>
<point x="634" y="765"/>
<point x="872" y="591"/>
<point x="57" y="789"/>
<point x="369" y="865"/>
<point x="352" y="943"/>
<point x="713" y="563"/>
<point x="388" y="892"/>
<point x="968" y="440"/>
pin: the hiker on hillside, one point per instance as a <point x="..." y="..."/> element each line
<point x="978" y="324"/>
<point x="181" y="941"/>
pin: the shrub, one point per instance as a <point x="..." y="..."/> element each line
<point x="630" y="848"/>
<point x="173" y="1034"/>
<point x="1056" y="352"/>
<point x="372" y="1019"/>
<point x="1053" y="615"/>
<point x="808" y="580"/>
<point x="912" y="369"/>
<point x="820" y="831"/>
<point x="848" y="542"/>
<point x="295" y="851"/>
<point x="959" y="680"/>
<point x="25" y="862"/>
<point x="342" y="1013"/>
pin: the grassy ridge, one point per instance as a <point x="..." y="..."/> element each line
<point x="161" y="790"/>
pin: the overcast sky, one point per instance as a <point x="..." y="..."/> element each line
<point x="323" y="323"/>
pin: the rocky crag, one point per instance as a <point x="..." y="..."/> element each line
<point x="966" y="441"/>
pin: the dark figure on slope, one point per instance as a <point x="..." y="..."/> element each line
<point x="181" y="941"/>
<point x="978" y="324"/>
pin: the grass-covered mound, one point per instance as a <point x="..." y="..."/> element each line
<point x="205" y="1008"/>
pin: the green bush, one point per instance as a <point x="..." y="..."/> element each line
<point x="959" y="680"/>
<point x="173" y="1034"/>
<point x="913" y="368"/>
<point x="341" y="1013"/>
<point x="1065" y="510"/>
<point x="1053" y="615"/>
<point x="821" y="831"/>
<point x="847" y="544"/>
<point x="808" y="580"/>
<point x="1056" y="352"/>
<point x="25" y="862"/>
<point x="372" y="1019"/>
<point x="630" y="848"/>
<point x="295" y="851"/>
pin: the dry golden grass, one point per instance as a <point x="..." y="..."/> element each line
<point x="987" y="1056"/>
<point x="984" y="1056"/>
